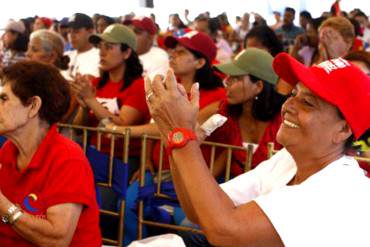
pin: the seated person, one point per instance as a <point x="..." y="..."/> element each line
<point x="118" y="94"/>
<point x="252" y="107"/>
<point x="310" y="186"/>
<point x="47" y="193"/>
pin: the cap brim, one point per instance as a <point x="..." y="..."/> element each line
<point x="96" y="38"/>
<point x="230" y="69"/>
<point x="292" y="71"/>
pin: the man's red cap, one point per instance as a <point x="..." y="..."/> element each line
<point x="143" y="23"/>
<point x="337" y="81"/>
<point x="196" y="41"/>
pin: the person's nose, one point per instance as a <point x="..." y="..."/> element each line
<point x="289" y="106"/>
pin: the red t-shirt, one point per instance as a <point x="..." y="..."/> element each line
<point x="58" y="173"/>
<point x="230" y="133"/>
<point x="113" y="99"/>
<point x="206" y="97"/>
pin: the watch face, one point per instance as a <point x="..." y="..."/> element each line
<point x="177" y="137"/>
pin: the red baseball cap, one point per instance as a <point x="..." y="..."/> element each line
<point x="196" y="41"/>
<point x="337" y="81"/>
<point x="143" y="23"/>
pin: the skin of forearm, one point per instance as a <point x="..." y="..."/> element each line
<point x="201" y="188"/>
<point x="100" y="112"/>
<point x="139" y="130"/>
<point x="182" y="195"/>
<point x="41" y="232"/>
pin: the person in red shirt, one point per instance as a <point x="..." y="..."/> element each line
<point x="252" y="108"/>
<point x="190" y="59"/>
<point x="118" y="95"/>
<point x="47" y="193"/>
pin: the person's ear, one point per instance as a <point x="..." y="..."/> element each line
<point x="35" y="106"/>
<point x="259" y="87"/>
<point x="126" y="54"/>
<point x="344" y="132"/>
<point x="53" y="57"/>
<point x="199" y="63"/>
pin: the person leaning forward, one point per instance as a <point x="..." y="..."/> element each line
<point x="308" y="194"/>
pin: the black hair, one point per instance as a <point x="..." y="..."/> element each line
<point x="316" y="22"/>
<point x="109" y="20"/>
<point x="20" y="43"/>
<point x="359" y="13"/>
<point x="289" y="9"/>
<point x="205" y="75"/>
<point x="265" y="106"/>
<point x="181" y="23"/>
<point x="306" y="14"/>
<point x="267" y="37"/>
<point x="133" y="71"/>
<point x="213" y="26"/>
<point x="356" y="26"/>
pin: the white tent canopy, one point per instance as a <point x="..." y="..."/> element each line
<point x="162" y="8"/>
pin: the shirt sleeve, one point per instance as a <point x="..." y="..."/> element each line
<point x="135" y="97"/>
<point x="70" y="181"/>
<point x="272" y="173"/>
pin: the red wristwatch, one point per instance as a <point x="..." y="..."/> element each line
<point x="178" y="138"/>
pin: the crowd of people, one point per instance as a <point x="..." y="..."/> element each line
<point x="304" y="88"/>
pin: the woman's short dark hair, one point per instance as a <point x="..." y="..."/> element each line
<point x="206" y="75"/>
<point x="30" y="78"/>
<point x="267" y="37"/>
<point x="266" y="104"/>
<point x="20" y="43"/>
<point x="133" y="71"/>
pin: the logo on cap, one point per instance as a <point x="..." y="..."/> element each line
<point x="190" y="34"/>
<point x="333" y="64"/>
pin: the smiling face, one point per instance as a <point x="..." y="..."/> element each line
<point x="311" y="124"/>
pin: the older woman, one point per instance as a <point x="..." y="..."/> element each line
<point x="47" y="195"/>
<point x="311" y="186"/>
<point x="47" y="46"/>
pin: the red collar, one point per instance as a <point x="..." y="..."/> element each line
<point x="41" y="152"/>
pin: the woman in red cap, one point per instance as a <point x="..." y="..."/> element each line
<point x="190" y="59"/>
<point x="308" y="194"/>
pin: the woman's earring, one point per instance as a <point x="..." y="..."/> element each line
<point x="256" y="97"/>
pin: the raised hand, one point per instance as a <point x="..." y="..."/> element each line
<point x="169" y="104"/>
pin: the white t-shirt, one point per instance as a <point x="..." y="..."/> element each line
<point x="330" y="208"/>
<point x="85" y="63"/>
<point x="154" y="62"/>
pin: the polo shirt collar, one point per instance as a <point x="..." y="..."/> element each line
<point x="42" y="150"/>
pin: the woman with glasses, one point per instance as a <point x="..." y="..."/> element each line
<point x="252" y="107"/>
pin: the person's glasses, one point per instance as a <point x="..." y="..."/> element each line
<point x="230" y="80"/>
